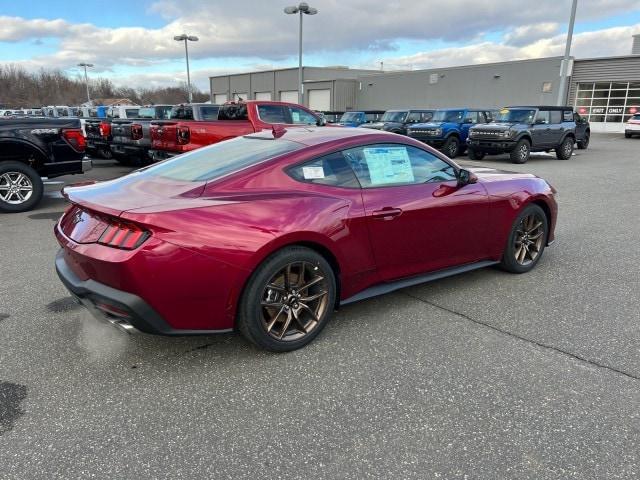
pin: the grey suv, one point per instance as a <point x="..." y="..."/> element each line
<point x="522" y="130"/>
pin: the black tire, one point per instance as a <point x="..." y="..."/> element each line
<point x="475" y="154"/>
<point x="451" y="147"/>
<point x="521" y="152"/>
<point x="565" y="149"/>
<point x="627" y="135"/>
<point x="252" y="314"/>
<point x="509" y="261"/>
<point x="27" y="177"/>
<point x="106" y="153"/>
<point x="584" y="143"/>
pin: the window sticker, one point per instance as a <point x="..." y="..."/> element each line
<point x="311" y="173"/>
<point x="295" y="116"/>
<point x="388" y="165"/>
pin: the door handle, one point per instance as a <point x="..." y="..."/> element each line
<point x="387" y="213"/>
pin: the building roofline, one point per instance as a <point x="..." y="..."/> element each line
<point x="616" y="57"/>
<point x="348" y="69"/>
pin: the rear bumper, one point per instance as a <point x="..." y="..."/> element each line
<point x="128" y="150"/>
<point x="94" y="145"/>
<point x="122" y="309"/>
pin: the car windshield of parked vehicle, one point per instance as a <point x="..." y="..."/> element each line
<point x="449" y="116"/>
<point x="515" y="115"/>
<point x="221" y="159"/>
<point x="394" y="116"/>
<point x="350" y="117"/>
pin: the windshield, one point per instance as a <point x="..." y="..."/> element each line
<point x="509" y="115"/>
<point x="350" y="117"/>
<point x="450" y="116"/>
<point x="221" y="159"/>
<point x="394" y="116"/>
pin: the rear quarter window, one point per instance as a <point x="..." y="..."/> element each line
<point x="331" y="170"/>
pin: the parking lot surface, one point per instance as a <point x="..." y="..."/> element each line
<point x="482" y="375"/>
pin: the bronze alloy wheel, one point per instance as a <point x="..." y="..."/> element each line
<point x="528" y="239"/>
<point x="294" y="300"/>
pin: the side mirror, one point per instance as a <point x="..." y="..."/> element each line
<point x="540" y="121"/>
<point x="465" y="177"/>
<point x="321" y="122"/>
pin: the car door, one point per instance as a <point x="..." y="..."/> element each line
<point x="469" y="120"/>
<point x="541" y="131"/>
<point x="419" y="219"/>
<point x="556" y="128"/>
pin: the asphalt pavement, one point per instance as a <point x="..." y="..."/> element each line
<point x="483" y="375"/>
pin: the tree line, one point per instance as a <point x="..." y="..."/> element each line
<point x="22" y="89"/>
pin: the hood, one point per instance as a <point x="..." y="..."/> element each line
<point x="375" y="125"/>
<point x="133" y="191"/>
<point x="486" y="174"/>
<point x="428" y="125"/>
<point x="495" y="125"/>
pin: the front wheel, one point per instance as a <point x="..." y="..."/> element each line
<point x="627" y="135"/>
<point x="288" y="300"/>
<point x="475" y="154"/>
<point x="565" y="149"/>
<point x="526" y="241"/>
<point x="451" y="147"/>
<point x="521" y="152"/>
<point x="21" y="187"/>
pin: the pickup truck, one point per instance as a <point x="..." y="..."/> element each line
<point x="32" y="148"/>
<point x="448" y="128"/>
<point x="174" y="136"/>
<point x="131" y="138"/>
<point x="98" y="130"/>
<point x="397" y="121"/>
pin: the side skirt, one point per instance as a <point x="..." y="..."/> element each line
<point x="388" y="287"/>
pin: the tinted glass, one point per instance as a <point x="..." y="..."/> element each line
<point x="350" y="117"/>
<point x="543" y="117"/>
<point x="393" y="116"/>
<point x="272" y="113"/>
<point x="454" y="116"/>
<point x="147" y="112"/>
<point x="512" y="115"/>
<point x="471" y="117"/>
<point x="300" y="116"/>
<point x="182" y="112"/>
<point x="330" y="170"/>
<point x="131" y="112"/>
<point x="414" y="117"/>
<point x="221" y="159"/>
<point x="555" y="116"/>
<point x="209" y="113"/>
<point x="394" y="164"/>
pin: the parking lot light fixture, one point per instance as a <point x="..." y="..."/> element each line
<point x="86" y="79"/>
<point x="302" y="8"/>
<point x="186" y="39"/>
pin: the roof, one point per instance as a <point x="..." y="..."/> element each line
<point x="545" y="107"/>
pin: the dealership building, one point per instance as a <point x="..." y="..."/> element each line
<point x="606" y="90"/>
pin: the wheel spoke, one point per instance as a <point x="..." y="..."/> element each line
<point x="306" y="307"/>
<point x="285" y="327"/>
<point x="522" y="254"/>
<point x="313" y="297"/>
<point x="535" y="226"/>
<point x="312" y="283"/>
<point x="536" y="236"/>
<point x="271" y="304"/>
<point x="275" y="287"/>
<point x="299" y="320"/>
<point x="287" y="277"/>
<point x="274" y="319"/>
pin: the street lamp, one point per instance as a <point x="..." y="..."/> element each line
<point x="564" y="66"/>
<point x="187" y="38"/>
<point x="86" y="79"/>
<point x="307" y="10"/>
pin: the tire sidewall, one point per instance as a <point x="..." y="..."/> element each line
<point x="560" y="151"/>
<point x="474" y="154"/>
<point x="36" y="181"/>
<point x="509" y="262"/>
<point x="515" y="154"/>
<point x="249" y="310"/>
<point x="447" y="149"/>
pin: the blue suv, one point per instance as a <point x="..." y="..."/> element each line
<point x="448" y="128"/>
<point x="355" y="119"/>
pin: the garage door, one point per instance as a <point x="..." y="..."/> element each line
<point x="263" y="95"/>
<point x="242" y="95"/>
<point x="219" y="98"/>
<point x="289" y="96"/>
<point x="320" y="100"/>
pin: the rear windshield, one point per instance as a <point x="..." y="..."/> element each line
<point x="230" y="156"/>
<point x="181" y="112"/>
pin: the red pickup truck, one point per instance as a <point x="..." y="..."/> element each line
<point x="173" y="137"/>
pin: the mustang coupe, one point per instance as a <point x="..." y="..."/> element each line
<point x="270" y="233"/>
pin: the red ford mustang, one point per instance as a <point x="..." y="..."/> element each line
<point x="269" y="233"/>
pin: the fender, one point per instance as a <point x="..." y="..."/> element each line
<point x="25" y="144"/>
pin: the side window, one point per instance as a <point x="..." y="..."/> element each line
<point x="414" y="117"/>
<point x="426" y="116"/>
<point x="298" y="115"/>
<point x="272" y="113"/>
<point x="555" y="116"/>
<point x="131" y="112"/>
<point x="542" y="117"/>
<point x="471" y="117"/>
<point x="395" y="164"/>
<point x="568" y="116"/>
<point x="209" y="113"/>
<point x="330" y="170"/>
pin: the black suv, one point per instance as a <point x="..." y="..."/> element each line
<point x="397" y="121"/>
<point x="522" y="130"/>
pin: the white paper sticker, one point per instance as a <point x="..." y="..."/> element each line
<point x="388" y="165"/>
<point x="311" y="173"/>
<point x="295" y="116"/>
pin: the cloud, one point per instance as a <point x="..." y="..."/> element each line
<point x="521" y="36"/>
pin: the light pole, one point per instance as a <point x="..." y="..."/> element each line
<point x="86" y="79"/>
<point x="302" y="8"/>
<point x="567" y="53"/>
<point x="187" y="38"/>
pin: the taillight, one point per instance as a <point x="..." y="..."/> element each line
<point x="75" y="138"/>
<point x="126" y="236"/>
<point x="136" y="131"/>
<point x="105" y="129"/>
<point x="184" y="135"/>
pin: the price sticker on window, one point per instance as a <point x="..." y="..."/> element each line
<point x="311" y="173"/>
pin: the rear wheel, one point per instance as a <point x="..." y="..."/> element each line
<point x="526" y="241"/>
<point x="584" y="143"/>
<point x="20" y="187"/>
<point x="288" y="300"/>
<point x="475" y="154"/>
<point x="451" y="147"/>
<point x="521" y="152"/>
<point x="565" y="149"/>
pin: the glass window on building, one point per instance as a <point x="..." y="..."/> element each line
<point x="612" y="102"/>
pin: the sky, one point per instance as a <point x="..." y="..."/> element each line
<point x="131" y="42"/>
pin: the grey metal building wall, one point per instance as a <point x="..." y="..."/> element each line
<point x="610" y="69"/>
<point x="343" y="92"/>
<point x="488" y="85"/>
